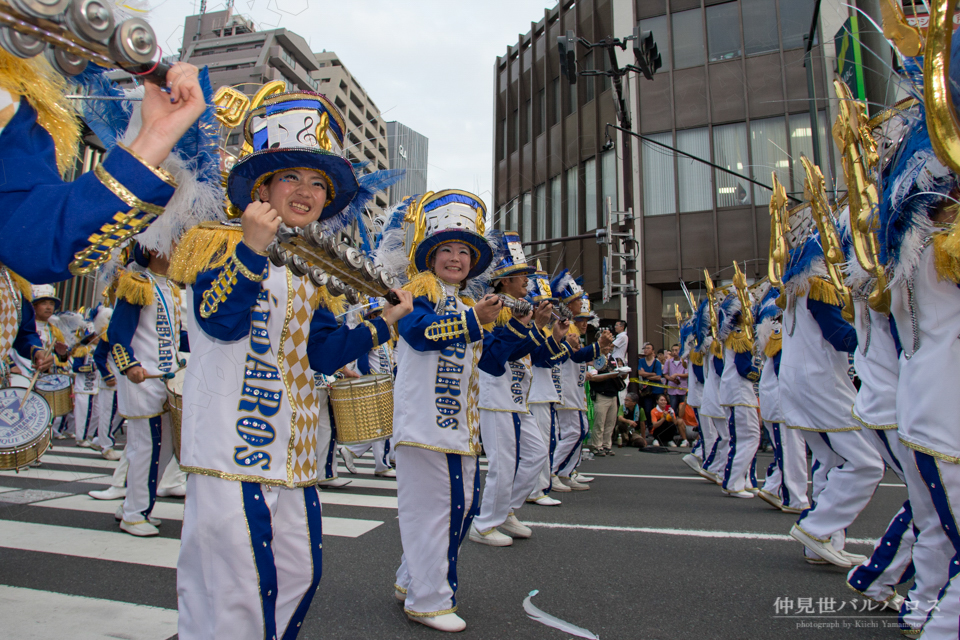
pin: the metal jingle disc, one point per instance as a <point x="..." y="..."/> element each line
<point x="369" y="270"/>
<point x="318" y="277"/>
<point x="330" y="245"/>
<point x="313" y="234"/>
<point x="336" y="287"/>
<point x="66" y="63"/>
<point x="353" y="257"/>
<point x="352" y="296"/>
<point x="40" y="8"/>
<point x="298" y="266"/>
<point x="277" y="254"/>
<point x="20" y="44"/>
<point x="92" y="20"/>
<point x="133" y="42"/>
<point x="388" y="281"/>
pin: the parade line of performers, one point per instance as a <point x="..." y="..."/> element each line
<point x="486" y="351"/>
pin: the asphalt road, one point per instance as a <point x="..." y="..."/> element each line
<point x="650" y="552"/>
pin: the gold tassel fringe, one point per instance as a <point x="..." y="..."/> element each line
<point x="774" y="344"/>
<point x="20" y="283"/>
<point x="504" y="317"/>
<point x="739" y="342"/>
<point x="44" y="88"/>
<point x="823" y="291"/>
<point x="207" y="246"/>
<point x="696" y="358"/>
<point x="946" y="257"/>
<point x="951" y="242"/>
<point x="425" y="284"/>
<point x="716" y="349"/>
<point x="135" y="289"/>
<point x="334" y="304"/>
<point x="573" y="330"/>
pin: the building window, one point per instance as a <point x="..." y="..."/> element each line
<point x="801" y="142"/>
<point x="556" y="208"/>
<point x="528" y="109"/>
<point x="723" y="31"/>
<point x="589" y="81"/>
<point x="661" y="35"/>
<point x="573" y="221"/>
<point x="688" y="49"/>
<point x="511" y="223"/>
<point x="768" y="144"/>
<point x="590" y="192"/>
<point x="541" y="205"/>
<point x="608" y="177"/>
<point x="658" y="177"/>
<point x="795" y="19"/>
<point x="527" y="222"/>
<point x="759" y="26"/>
<point x="696" y="192"/>
<point x="730" y="151"/>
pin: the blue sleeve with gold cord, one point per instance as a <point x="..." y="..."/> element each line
<point x="499" y="346"/>
<point x="550" y="354"/>
<point x="100" y="355"/>
<point x="123" y="324"/>
<point x="363" y="365"/>
<point x="223" y="299"/>
<point x="71" y="211"/>
<point x="28" y="340"/>
<point x="332" y="346"/>
<point x="838" y="332"/>
<point x="425" y="330"/>
<point x="586" y="354"/>
<point x="745" y="366"/>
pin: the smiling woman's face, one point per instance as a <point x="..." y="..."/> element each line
<point x="451" y="262"/>
<point x="298" y="195"/>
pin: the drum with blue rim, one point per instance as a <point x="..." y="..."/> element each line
<point x="24" y="430"/>
<point x="56" y="390"/>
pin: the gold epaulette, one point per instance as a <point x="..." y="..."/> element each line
<point x="427" y="284"/>
<point x="696" y="358"/>
<point x="823" y="291"/>
<point x="84" y="351"/>
<point x="57" y="334"/>
<point x="334" y="304"/>
<point x="206" y="246"/>
<point x="20" y="283"/>
<point x="946" y="257"/>
<point x="774" y="344"/>
<point x="135" y="288"/>
<point x="716" y="349"/>
<point x="573" y="330"/>
<point x="738" y="342"/>
<point x="44" y="89"/>
<point x="503" y="317"/>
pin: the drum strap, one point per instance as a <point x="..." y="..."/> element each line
<point x="170" y="319"/>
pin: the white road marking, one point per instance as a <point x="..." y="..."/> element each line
<point x="76" y="461"/>
<point x="759" y="480"/>
<point x="39" y="473"/>
<point x="79" y="617"/>
<point x="695" y="533"/>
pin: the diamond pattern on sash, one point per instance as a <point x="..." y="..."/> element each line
<point x="9" y="311"/>
<point x="299" y="379"/>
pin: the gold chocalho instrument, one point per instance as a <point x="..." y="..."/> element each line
<point x="779" y="251"/>
<point x="746" y="311"/>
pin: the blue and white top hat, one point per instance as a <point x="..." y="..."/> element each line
<point x="586" y="311"/>
<point x="565" y="287"/>
<point x="538" y="287"/>
<point x="509" y="260"/>
<point x="299" y="130"/>
<point x="450" y="216"/>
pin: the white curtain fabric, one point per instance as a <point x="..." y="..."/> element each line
<point x="658" y="177"/>
<point x="730" y="151"/>
<point x="694" y="177"/>
<point x="768" y="141"/>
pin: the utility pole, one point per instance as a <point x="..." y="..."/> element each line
<point x="648" y="61"/>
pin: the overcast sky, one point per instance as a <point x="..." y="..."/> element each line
<point x="425" y="63"/>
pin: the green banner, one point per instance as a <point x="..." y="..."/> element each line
<point x="849" y="61"/>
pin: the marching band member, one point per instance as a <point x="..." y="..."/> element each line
<point x="785" y="486"/>
<point x="86" y="386"/>
<point x="545" y="388"/>
<point x="19" y="337"/>
<point x="515" y="448"/>
<point x="572" y="409"/>
<point x="378" y="361"/>
<point x="436" y="426"/>
<point x="814" y="364"/>
<point x="738" y="398"/>
<point x="107" y="406"/>
<point x="145" y="334"/>
<point x="39" y="132"/>
<point x="250" y="556"/>
<point x="710" y="409"/>
<point x="688" y="340"/>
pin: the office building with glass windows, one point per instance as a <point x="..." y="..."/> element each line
<point x="733" y="90"/>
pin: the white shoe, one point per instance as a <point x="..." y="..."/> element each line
<point x="110" y="493"/>
<point x="692" y="461"/>
<point x="855" y="558"/>
<point x="141" y="529"/>
<point x="59" y="436"/>
<point x="752" y="490"/>
<point x="707" y="475"/>
<point x="335" y="483"/>
<point x="582" y="479"/>
<point x="556" y="485"/>
<point x="685" y="443"/>
<point x="389" y="473"/>
<point x="86" y="444"/>
<point x="118" y="516"/>
<point x="574" y="485"/>
<point x="491" y="538"/>
<point x="176" y="491"/>
<point x="770" y="499"/>
<point x="671" y="444"/>
<point x="656" y="443"/>
<point x="738" y="494"/>
<point x="110" y="454"/>
<point x="894" y="602"/>
<point x="823" y="549"/>
<point x="399" y="595"/>
<point x="794" y="510"/>
<point x="515" y="528"/>
<point x="348" y="458"/>
<point x="545" y="501"/>
<point x="449" y="622"/>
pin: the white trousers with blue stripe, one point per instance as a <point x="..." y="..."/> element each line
<point x="380" y="453"/>
<point x="108" y="418"/>
<point x="787" y="475"/>
<point x="744" y="429"/>
<point x="572" y="429"/>
<point x="721" y="446"/>
<point x="546" y="417"/>
<point x="149" y="450"/>
<point x="515" y="455"/>
<point x="891" y="562"/>
<point x="85" y="416"/>
<point x="250" y="559"/>
<point x="438" y="495"/>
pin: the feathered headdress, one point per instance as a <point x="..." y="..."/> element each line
<point x="728" y="315"/>
<point x="767" y="315"/>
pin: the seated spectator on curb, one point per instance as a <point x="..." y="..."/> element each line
<point x="687" y="425"/>
<point x="632" y="423"/>
<point x="663" y="423"/>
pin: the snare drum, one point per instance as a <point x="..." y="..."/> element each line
<point x="363" y="408"/>
<point x="55" y="389"/>
<point x="175" y="405"/>
<point x="24" y="432"/>
<point x="18" y="381"/>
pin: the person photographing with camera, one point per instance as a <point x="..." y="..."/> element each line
<point x="606" y="383"/>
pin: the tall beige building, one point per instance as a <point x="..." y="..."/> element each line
<point x="366" y="138"/>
